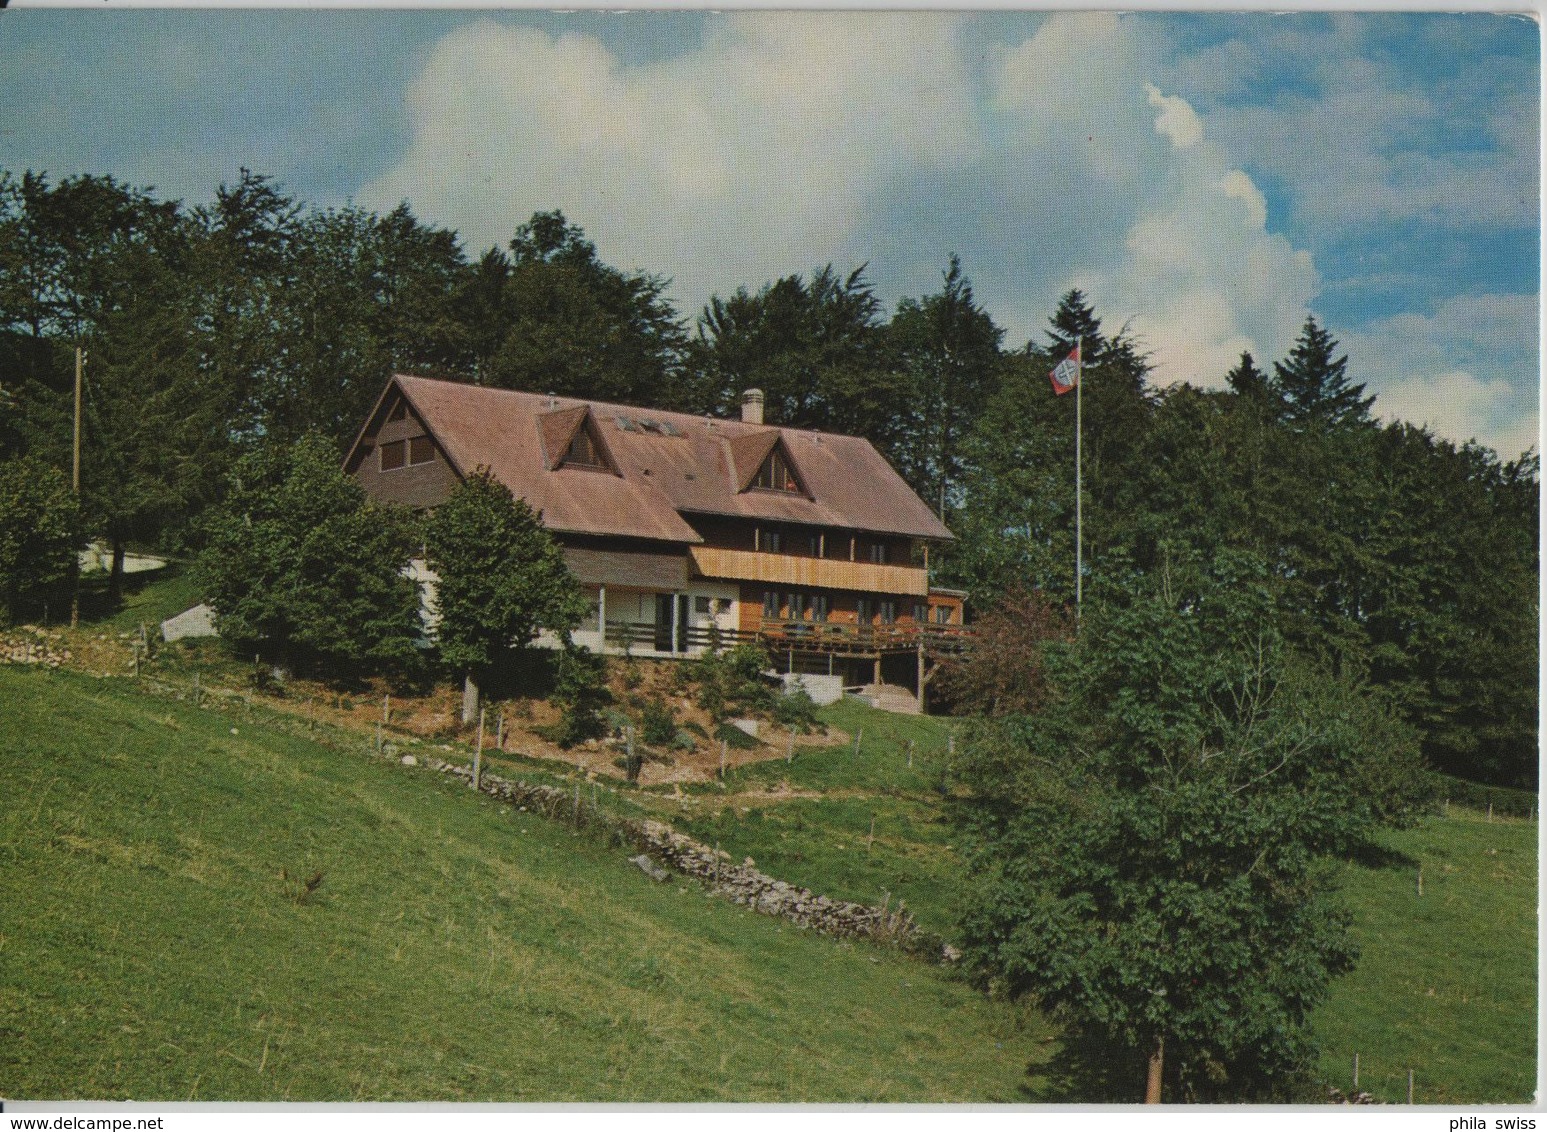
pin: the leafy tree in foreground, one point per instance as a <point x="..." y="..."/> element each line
<point x="1149" y="857"/>
<point x="299" y="560"/>
<point x="40" y="533"/>
<point x="502" y="580"/>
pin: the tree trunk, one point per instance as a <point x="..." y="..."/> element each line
<point x="115" y="578"/>
<point x="1157" y="1062"/>
<point x="469" y="700"/>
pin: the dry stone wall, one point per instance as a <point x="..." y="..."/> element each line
<point x="741" y="884"/>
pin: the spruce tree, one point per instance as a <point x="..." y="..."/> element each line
<point x="1249" y="383"/>
<point x="1314" y="382"/>
<point x="1075" y="320"/>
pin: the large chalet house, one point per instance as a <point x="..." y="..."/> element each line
<point x="690" y="532"/>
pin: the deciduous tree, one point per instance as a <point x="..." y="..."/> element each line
<point x="502" y="579"/>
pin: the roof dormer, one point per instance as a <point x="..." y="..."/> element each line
<point x="571" y="439"/>
<point x="763" y="464"/>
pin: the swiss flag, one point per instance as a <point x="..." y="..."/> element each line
<point x="1066" y="375"/>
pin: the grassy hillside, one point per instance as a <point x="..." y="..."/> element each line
<point x="454" y="950"/>
<point x="1446" y="984"/>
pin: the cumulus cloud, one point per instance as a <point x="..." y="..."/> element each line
<point x="752" y="155"/>
<point x="782" y="141"/>
<point x="1468" y="371"/>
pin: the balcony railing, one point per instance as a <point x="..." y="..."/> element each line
<point x="804" y="636"/>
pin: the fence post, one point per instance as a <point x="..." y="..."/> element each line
<point x="478" y="752"/>
<point x="1356" y="1070"/>
<point x="722" y="759"/>
<point x="789" y="754"/>
<point x="1409" y="1086"/>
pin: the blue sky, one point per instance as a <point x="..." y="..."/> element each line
<point x="1207" y="179"/>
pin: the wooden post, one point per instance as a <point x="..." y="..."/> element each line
<point x="75" y="479"/>
<point x="859" y="737"/>
<point x="478" y="753"/>
<point x="722" y="759"/>
<point x="789" y="753"/>
<point x="921" y="673"/>
<point x="910" y="754"/>
<point x="1156" y="1064"/>
<point x="1420" y="880"/>
<point x="386" y="708"/>
<point x="1409" y="1086"/>
<point x="499" y="731"/>
<point x="1490" y="811"/>
<point x="1356" y="1070"/>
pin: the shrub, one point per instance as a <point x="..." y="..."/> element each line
<point x="657" y="723"/>
<point x="39" y="534"/>
<point x="796" y="710"/>
<point x="581" y="693"/>
<point x="731" y="683"/>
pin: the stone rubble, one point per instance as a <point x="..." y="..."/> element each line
<point x="32" y="645"/>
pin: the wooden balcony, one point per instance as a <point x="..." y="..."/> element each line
<point x="821" y="573"/>
<point x="802" y="636"/>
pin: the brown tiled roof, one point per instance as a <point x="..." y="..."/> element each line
<point x="668" y="465"/>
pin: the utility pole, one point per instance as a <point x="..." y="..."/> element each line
<point x="75" y="477"/>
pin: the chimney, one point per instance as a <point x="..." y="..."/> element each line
<point x="752" y="406"/>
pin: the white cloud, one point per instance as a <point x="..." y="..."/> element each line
<point x="1177" y="120"/>
<point x="1462" y="371"/>
<point x="753" y="155"/>
<point x="1203" y="279"/>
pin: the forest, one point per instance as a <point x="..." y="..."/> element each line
<point x="1386" y="555"/>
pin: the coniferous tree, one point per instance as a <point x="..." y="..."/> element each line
<point x="1314" y="382"/>
<point x="948" y="346"/>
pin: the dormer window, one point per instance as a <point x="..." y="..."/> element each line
<point x="775" y="475"/>
<point x="571" y="439"/>
<point x="583" y="452"/>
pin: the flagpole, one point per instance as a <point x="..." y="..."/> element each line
<point x="1079" y="516"/>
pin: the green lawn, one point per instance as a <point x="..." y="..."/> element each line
<point x="455" y="950"/>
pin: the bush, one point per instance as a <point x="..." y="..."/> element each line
<point x="796" y="710"/>
<point x="581" y="693"/>
<point x="657" y="723"/>
<point x="731" y="683"/>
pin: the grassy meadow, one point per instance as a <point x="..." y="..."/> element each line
<point x="158" y="944"/>
<point x="158" y="941"/>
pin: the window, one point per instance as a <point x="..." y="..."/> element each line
<point x="816" y="546"/>
<point x="942" y="615"/>
<point x="920" y="613"/>
<point x="421" y="450"/>
<point x="797" y="607"/>
<point x="775" y="475"/>
<point x="392" y="455"/>
<point x="878" y="553"/>
<point x="819" y="607"/>
<point x="768" y="540"/>
<point x="583" y="451"/>
<point x="700" y="605"/>
<point x="864" y="610"/>
<point x="770" y="605"/>
<point x="888" y="612"/>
